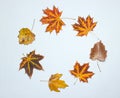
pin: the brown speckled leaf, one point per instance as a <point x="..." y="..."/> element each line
<point x="98" y="52"/>
<point x="26" y="36"/>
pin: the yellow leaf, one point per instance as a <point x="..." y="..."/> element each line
<point x="55" y="82"/>
<point x="26" y="36"/>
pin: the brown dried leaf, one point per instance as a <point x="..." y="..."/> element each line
<point x="31" y="61"/>
<point x="98" y="52"/>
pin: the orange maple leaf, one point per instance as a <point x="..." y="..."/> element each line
<point x="30" y="62"/>
<point x="84" y="26"/>
<point x="81" y="72"/>
<point x="53" y="19"/>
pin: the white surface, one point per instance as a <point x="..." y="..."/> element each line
<point x="61" y="51"/>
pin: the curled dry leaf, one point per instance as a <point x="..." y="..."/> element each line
<point x="53" y="19"/>
<point x="31" y="61"/>
<point x="55" y="82"/>
<point x="26" y="36"/>
<point x="81" y="72"/>
<point x="84" y="26"/>
<point x="98" y="52"/>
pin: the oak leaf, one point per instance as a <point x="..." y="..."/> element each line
<point x="55" y="82"/>
<point x="84" y="25"/>
<point x="81" y="72"/>
<point x="53" y="19"/>
<point x="98" y="52"/>
<point x="31" y="61"/>
<point x="26" y="36"/>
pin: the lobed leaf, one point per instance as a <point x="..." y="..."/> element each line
<point x="84" y="26"/>
<point x="53" y="20"/>
<point x="30" y="62"/>
<point x="81" y="72"/>
<point x="55" y="82"/>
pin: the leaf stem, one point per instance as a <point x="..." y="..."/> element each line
<point x="68" y="18"/>
<point x="43" y="80"/>
<point x="96" y="36"/>
<point x="23" y="54"/>
<point x="98" y="66"/>
<point x="76" y="81"/>
<point x="33" y="24"/>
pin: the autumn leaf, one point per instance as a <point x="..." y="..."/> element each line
<point x="84" y="26"/>
<point x="55" y="82"/>
<point x="81" y="72"/>
<point x="53" y="19"/>
<point x="26" y="36"/>
<point x="31" y="61"/>
<point x="98" y="52"/>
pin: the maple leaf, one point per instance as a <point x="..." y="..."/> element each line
<point x="98" y="52"/>
<point x="26" y="36"/>
<point x="31" y="61"/>
<point x="81" y="72"/>
<point x="84" y="26"/>
<point x="55" y="82"/>
<point x="53" y="19"/>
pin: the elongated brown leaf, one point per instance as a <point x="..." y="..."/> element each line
<point x="98" y="52"/>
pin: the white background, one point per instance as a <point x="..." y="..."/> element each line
<point x="60" y="51"/>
